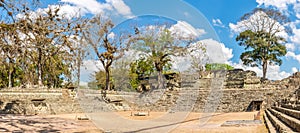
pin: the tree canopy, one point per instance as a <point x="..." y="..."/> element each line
<point x="263" y="38"/>
<point x="37" y="46"/>
<point x="159" y="44"/>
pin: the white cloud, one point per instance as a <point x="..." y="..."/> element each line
<point x="290" y="46"/>
<point x="297" y="9"/>
<point x="273" y="71"/>
<point x="280" y="4"/>
<point x="95" y="7"/>
<point x="218" y="23"/>
<point x="294" y="69"/>
<point x="295" y="38"/>
<point x="184" y="29"/>
<point x="121" y="7"/>
<point x="217" y="52"/>
<point x="91" y="6"/>
<point x="65" y="10"/>
<point x="293" y="55"/>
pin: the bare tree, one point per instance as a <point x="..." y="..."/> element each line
<point x="199" y="58"/>
<point x="107" y="46"/>
<point x="39" y="41"/>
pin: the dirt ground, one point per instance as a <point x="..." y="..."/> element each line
<point x="68" y="123"/>
<point x="65" y="123"/>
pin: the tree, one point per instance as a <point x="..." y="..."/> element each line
<point x="107" y="48"/>
<point x="36" y="44"/>
<point x="198" y="57"/>
<point x="218" y="66"/>
<point x="49" y="34"/>
<point x="139" y="70"/>
<point x="262" y="38"/>
<point x="158" y="44"/>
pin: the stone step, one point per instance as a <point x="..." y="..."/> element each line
<point x="294" y="107"/>
<point x="279" y="125"/>
<point x="293" y="123"/>
<point x="290" y="112"/>
<point x="269" y="124"/>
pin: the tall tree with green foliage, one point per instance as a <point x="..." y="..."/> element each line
<point x="159" y="44"/>
<point x="139" y="70"/>
<point x="262" y="38"/>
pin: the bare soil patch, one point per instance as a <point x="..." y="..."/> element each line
<point x="46" y="123"/>
<point x="68" y="123"/>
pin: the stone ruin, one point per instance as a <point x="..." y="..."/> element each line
<point x="214" y="91"/>
<point x="284" y="114"/>
<point x="38" y="101"/>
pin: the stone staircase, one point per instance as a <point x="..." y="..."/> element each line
<point x="188" y="93"/>
<point x="91" y="101"/>
<point x="173" y="100"/>
<point x="66" y="104"/>
<point x="282" y="119"/>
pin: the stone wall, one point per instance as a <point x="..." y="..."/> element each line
<point x="238" y="100"/>
<point x="219" y="91"/>
<point x="227" y="91"/>
<point x="37" y="101"/>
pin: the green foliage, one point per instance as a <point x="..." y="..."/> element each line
<point x="261" y="46"/>
<point x="100" y="80"/>
<point x="218" y="66"/>
<point x="140" y="69"/>
<point x="159" y="44"/>
<point x="261" y="38"/>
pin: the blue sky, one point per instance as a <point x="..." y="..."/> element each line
<point x="217" y="18"/>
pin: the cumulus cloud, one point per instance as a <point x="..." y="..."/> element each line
<point x="294" y="69"/>
<point x="68" y="11"/>
<point x="217" y="52"/>
<point x="297" y="9"/>
<point x="293" y="56"/>
<point x="91" y="6"/>
<point x="95" y="7"/>
<point x="186" y="30"/>
<point x="280" y="4"/>
<point x="121" y="7"/>
<point x="218" y="23"/>
<point x="295" y="38"/>
<point x="290" y="46"/>
<point x="273" y="71"/>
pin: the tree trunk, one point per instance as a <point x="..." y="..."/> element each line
<point x="78" y="68"/>
<point x="40" y="83"/>
<point x="10" y="72"/>
<point x="39" y="69"/>
<point x="160" y="80"/>
<point x="10" y="77"/>
<point x="107" y="81"/>
<point x="265" y="66"/>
